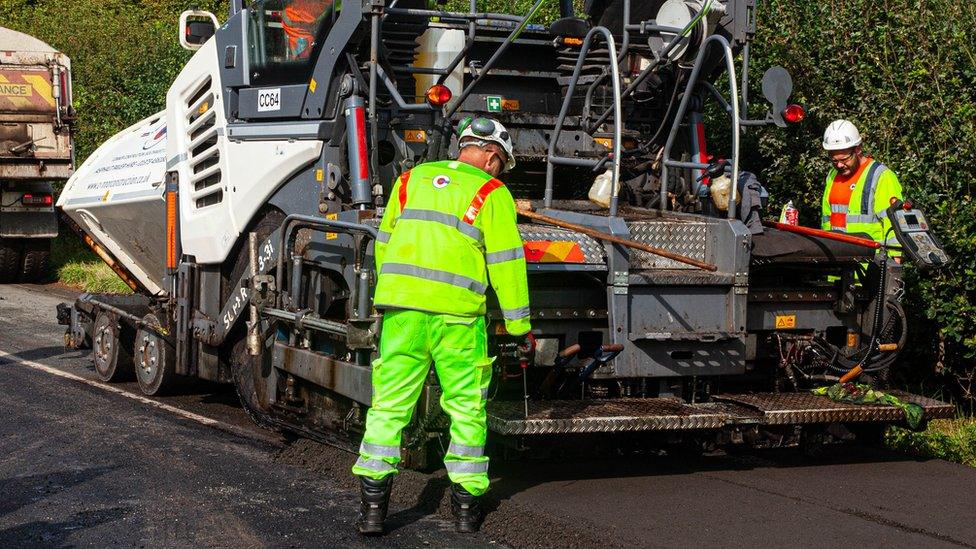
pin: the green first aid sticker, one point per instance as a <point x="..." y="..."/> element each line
<point x="494" y="103"/>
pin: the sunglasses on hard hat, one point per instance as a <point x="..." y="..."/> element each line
<point x="483" y="127"/>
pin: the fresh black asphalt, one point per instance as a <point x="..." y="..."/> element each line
<point x="83" y="467"/>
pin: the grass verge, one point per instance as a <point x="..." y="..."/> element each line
<point x="72" y="263"/>
<point x="949" y="439"/>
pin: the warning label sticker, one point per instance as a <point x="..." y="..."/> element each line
<point x="785" y="322"/>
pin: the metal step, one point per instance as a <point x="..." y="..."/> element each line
<point x="667" y="414"/>
<point x="793" y="408"/>
<point x="604" y="416"/>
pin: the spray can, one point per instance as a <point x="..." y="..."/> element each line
<point x="790" y="215"/>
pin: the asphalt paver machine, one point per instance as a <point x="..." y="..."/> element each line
<point x="244" y="215"/>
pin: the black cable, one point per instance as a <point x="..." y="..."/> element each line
<point x="880" y="304"/>
<point x="16" y="200"/>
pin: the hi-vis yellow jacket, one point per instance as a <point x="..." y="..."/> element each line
<point x="449" y="229"/>
<point x="866" y="212"/>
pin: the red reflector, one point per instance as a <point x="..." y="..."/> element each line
<point x="29" y="199"/>
<point x="794" y="113"/>
<point x="438" y="95"/>
<point x="63" y="83"/>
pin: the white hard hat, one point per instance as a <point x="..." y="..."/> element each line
<point x="487" y="130"/>
<point x="840" y="135"/>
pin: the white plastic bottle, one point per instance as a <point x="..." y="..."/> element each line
<point x="600" y="190"/>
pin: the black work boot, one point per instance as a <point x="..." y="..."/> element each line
<point x="466" y="510"/>
<point x="375" y="502"/>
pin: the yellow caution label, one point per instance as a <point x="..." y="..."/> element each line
<point x="312" y="84"/>
<point x="852" y="339"/>
<point x="331" y="236"/>
<point x="785" y="322"/>
<point x="15" y="90"/>
<point x="319" y="175"/>
<point x="415" y="136"/>
<point x="606" y="142"/>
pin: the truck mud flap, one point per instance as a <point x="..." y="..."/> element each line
<point x="665" y="414"/>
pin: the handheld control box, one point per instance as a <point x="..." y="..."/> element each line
<point x="915" y="236"/>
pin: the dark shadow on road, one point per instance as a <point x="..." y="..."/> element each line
<point x="520" y="475"/>
<point x="20" y="491"/>
<point x="56" y="534"/>
<point x="40" y="353"/>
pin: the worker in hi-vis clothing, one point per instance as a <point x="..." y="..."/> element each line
<point x="859" y="189"/>
<point x="301" y="21"/>
<point x="449" y="229"/>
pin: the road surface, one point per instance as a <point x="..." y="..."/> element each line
<point x="88" y="464"/>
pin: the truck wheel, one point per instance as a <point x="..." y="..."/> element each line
<point x="250" y="380"/>
<point x="33" y="268"/>
<point x="111" y="348"/>
<point x="155" y="361"/>
<point x="9" y="260"/>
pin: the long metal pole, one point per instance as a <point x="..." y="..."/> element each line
<point x="839" y="237"/>
<point x="454" y="14"/>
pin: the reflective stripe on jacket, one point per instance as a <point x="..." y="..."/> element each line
<point x="449" y="228"/>
<point x="870" y="198"/>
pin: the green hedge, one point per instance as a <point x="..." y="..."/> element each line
<point x="124" y="54"/>
<point x="903" y="71"/>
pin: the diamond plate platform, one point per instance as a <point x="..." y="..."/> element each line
<point x="665" y="414"/>
<point x="793" y="408"/>
<point x="593" y="251"/>
<point x="600" y="416"/>
<point x="686" y="238"/>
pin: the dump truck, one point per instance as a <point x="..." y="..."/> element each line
<point x="36" y="119"/>
<point x="244" y="215"/>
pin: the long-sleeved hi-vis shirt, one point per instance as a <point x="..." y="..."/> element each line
<point x="449" y="229"/>
<point x="861" y="205"/>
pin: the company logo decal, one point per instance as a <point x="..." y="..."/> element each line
<point x="158" y="137"/>
<point x="441" y="181"/>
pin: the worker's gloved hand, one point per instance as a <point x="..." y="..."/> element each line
<point x="528" y="344"/>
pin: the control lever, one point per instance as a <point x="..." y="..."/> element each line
<point x="526" y="351"/>
<point x="601" y="357"/>
<point x="714" y="169"/>
<point x="567" y="355"/>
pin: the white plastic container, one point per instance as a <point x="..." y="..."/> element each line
<point x="600" y="190"/>
<point x="721" y="189"/>
<point x="438" y="47"/>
